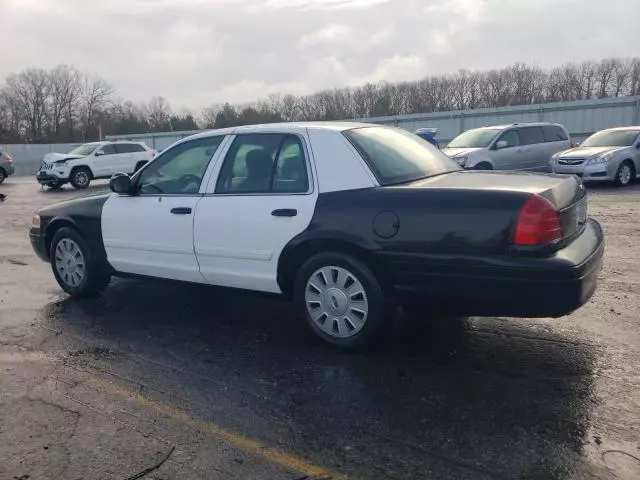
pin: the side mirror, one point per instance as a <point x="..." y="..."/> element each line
<point x="120" y="183"/>
<point x="501" y="144"/>
<point x="99" y="152"/>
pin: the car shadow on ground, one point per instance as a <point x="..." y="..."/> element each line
<point x="457" y="398"/>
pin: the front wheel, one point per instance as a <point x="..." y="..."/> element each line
<point x="342" y="300"/>
<point x="625" y="174"/>
<point x="80" y="178"/>
<point x="73" y="265"/>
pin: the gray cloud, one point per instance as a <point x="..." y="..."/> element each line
<point x="196" y="52"/>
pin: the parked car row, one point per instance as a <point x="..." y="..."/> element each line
<point x="611" y="155"/>
<point x="6" y="166"/>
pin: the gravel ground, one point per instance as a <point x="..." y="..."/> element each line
<point x="223" y="384"/>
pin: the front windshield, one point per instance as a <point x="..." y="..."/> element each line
<point x="478" y="138"/>
<point x="84" y="150"/>
<point x="398" y="156"/>
<point x="612" y="138"/>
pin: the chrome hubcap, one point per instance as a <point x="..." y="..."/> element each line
<point x="82" y="178"/>
<point x="69" y="262"/>
<point x="625" y="174"/>
<point x="336" y="301"/>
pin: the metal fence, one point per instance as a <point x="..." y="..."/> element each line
<point x="581" y="119"/>
<point x="28" y="156"/>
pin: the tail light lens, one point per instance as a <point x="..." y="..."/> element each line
<point x="538" y="223"/>
<point x="9" y="158"/>
<point x="154" y="153"/>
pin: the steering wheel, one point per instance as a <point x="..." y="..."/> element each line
<point x="188" y="179"/>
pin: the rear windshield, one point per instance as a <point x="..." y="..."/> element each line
<point x="612" y="138"/>
<point x="84" y="149"/>
<point x="397" y="156"/>
<point x="478" y="138"/>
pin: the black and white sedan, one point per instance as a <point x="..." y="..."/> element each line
<point x="346" y="219"/>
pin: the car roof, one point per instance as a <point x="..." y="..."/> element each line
<point x="632" y="127"/>
<point x="283" y="127"/>
<point x="511" y="125"/>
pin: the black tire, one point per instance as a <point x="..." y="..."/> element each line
<point x="3" y="175"/>
<point x="93" y="280"/>
<point x="377" y="318"/>
<point x="80" y="178"/>
<point x="621" y="180"/>
<point x="139" y="165"/>
<point x="483" y="166"/>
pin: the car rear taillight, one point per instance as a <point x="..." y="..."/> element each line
<point x="538" y="223"/>
<point x="153" y="153"/>
<point x="8" y="157"/>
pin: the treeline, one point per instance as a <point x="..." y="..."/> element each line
<point x="66" y="105"/>
<point x="63" y="104"/>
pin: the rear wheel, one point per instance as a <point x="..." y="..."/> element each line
<point x="3" y="175"/>
<point x="80" y="178"/>
<point x="625" y="174"/>
<point x="342" y="300"/>
<point x="73" y="265"/>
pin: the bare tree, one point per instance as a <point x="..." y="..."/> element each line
<point x="158" y="114"/>
<point x="64" y="94"/>
<point x="634" y="77"/>
<point x="29" y="91"/>
<point x="208" y="115"/>
<point x="95" y="94"/>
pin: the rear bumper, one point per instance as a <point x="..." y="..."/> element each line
<point x="39" y="244"/>
<point x="506" y="285"/>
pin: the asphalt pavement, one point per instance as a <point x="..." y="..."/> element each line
<point x="172" y="381"/>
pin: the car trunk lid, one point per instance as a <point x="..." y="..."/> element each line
<point x="565" y="192"/>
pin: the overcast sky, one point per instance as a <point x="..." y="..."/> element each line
<point x="197" y="52"/>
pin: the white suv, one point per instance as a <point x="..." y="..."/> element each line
<point x="92" y="161"/>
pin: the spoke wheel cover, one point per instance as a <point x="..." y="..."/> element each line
<point x="336" y="301"/>
<point x="70" y="263"/>
<point x="624" y="175"/>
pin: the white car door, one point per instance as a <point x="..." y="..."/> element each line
<point x="104" y="159"/>
<point x="259" y="198"/>
<point x="151" y="232"/>
<point x="126" y="158"/>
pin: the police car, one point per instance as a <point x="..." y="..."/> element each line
<point x="346" y="219"/>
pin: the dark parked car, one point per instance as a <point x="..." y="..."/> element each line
<point x="6" y="166"/>
<point x="346" y="219"/>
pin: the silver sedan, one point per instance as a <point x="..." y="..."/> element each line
<point x="611" y="155"/>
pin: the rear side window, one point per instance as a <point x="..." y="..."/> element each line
<point x="128" y="147"/>
<point x="398" y="156"/>
<point x="264" y="163"/>
<point x="553" y="133"/>
<point x="531" y="135"/>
